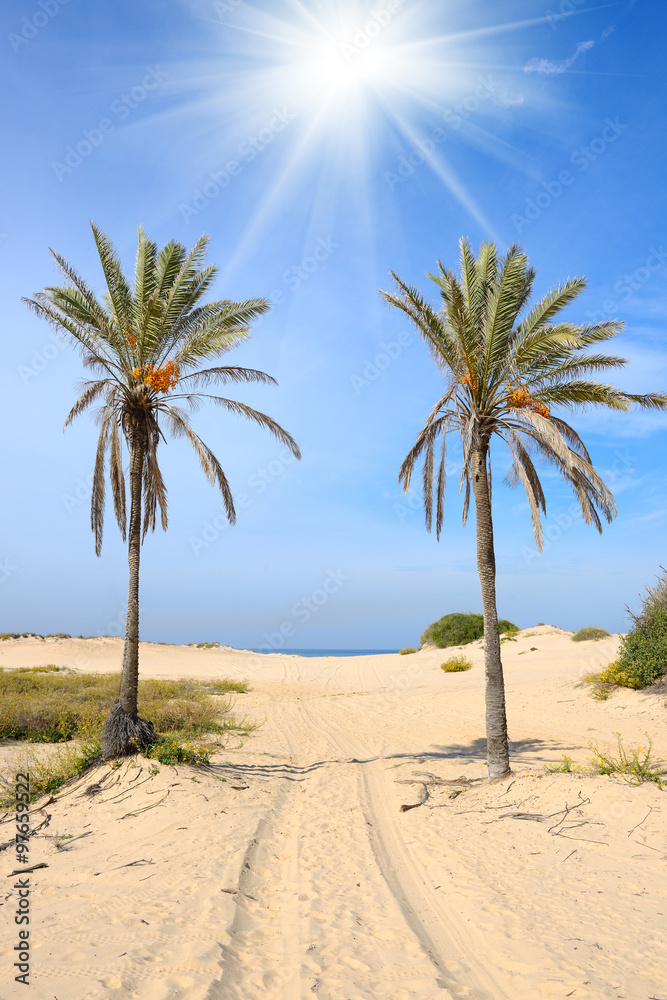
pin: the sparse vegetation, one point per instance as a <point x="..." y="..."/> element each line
<point x="407" y="651"/>
<point x="612" y="677"/>
<point x="591" y="633"/>
<point x="207" y="645"/>
<point x="643" y="653"/>
<point x="52" y="704"/>
<point x="223" y="685"/>
<point x="565" y="764"/>
<point x="456" y="664"/>
<point x="459" y="629"/>
<point x="636" y="766"/>
<point x="643" y="656"/>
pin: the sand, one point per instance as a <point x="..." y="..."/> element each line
<point x="288" y="869"/>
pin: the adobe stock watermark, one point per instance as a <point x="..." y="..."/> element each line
<point x="7" y="570"/>
<point x="303" y="611"/>
<point x="412" y="502"/>
<point x="385" y="357"/>
<point x="256" y="484"/>
<point x="366" y="34"/>
<point x="120" y="109"/>
<point x="82" y="492"/>
<point x="566" y="8"/>
<point x="296" y="275"/>
<point x="225" y="7"/>
<point x="31" y="26"/>
<point x="581" y="158"/>
<point x="626" y="285"/>
<point x="454" y="117"/>
<point x="218" y="180"/>
<point x="41" y="358"/>
<point x="621" y="467"/>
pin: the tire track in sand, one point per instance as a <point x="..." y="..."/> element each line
<point x="424" y="912"/>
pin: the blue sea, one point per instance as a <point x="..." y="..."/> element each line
<point x="327" y="652"/>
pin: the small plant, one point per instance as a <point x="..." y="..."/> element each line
<point x="565" y="764"/>
<point x="49" y="773"/>
<point x="455" y="664"/>
<point x="590" y="634"/>
<point x="533" y="649"/>
<point x="407" y="651"/>
<point x="171" y="750"/>
<point x="223" y="685"/>
<point x="539" y="623"/>
<point x="510" y="631"/>
<point x="613" y="676"/>
<point x="208" y="645"/>
<point x="636" y="766"/>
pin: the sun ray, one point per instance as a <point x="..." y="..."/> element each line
<point x="363" y="81"/>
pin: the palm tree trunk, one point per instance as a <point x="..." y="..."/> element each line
<point x="129" y="685"/>
<point x="123" y="731"/>
<point x="496" y="718"/>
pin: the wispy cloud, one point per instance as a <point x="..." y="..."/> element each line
<point x="508" y="100"/>
<point x="607" y="32"/>
<point x="553" y="67"/>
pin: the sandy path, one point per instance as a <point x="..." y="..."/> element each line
<point x="288" y="870"/>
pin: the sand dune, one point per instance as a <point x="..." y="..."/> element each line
<point x="288" y="870"/>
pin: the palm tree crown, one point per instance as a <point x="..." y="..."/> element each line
<point x="506" y="368"/>
<point x="146" y="344"/>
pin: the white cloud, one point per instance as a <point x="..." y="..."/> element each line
<point x="507" y="100"/>
<point x="551" y="67"/>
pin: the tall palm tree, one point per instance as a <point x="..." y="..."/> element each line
<point x="506" y="367"/>
<point x="145" y="345"/>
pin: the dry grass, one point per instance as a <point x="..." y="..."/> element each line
<point x="55" y="705"/>
<point x="52" y="704"/>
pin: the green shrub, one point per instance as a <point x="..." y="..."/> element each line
<point x="591" y="633"/>
<point x="459" y="629"/>
<point x="455" y="664"/>
<point x="643" y="654"/>
<point x="170" y="750"/>
<point x="406" y="651"/>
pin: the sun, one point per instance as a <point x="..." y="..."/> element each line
<point x="338" y="73"/>
<point x="345" y="99"/>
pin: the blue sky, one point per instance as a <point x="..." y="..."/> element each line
<point x="320" y="146"/>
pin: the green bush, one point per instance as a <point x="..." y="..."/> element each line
<point x="643" y="653"/>
<point x="407" y="651"/>
<point x="592" y="632"/>
<point x="456" y="664"/>
<point x="459" y="629"/>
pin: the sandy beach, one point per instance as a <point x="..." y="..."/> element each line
<point x="289" y="870"/>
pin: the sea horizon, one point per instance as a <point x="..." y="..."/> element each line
<point x="326" y="652"/>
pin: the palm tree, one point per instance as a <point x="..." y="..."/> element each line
<point x="145" y="344"/>
<point x="506" y="367"/>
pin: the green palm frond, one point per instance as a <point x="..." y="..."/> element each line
<point x="146" y="341"/>
<point x="506" y="371"/>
